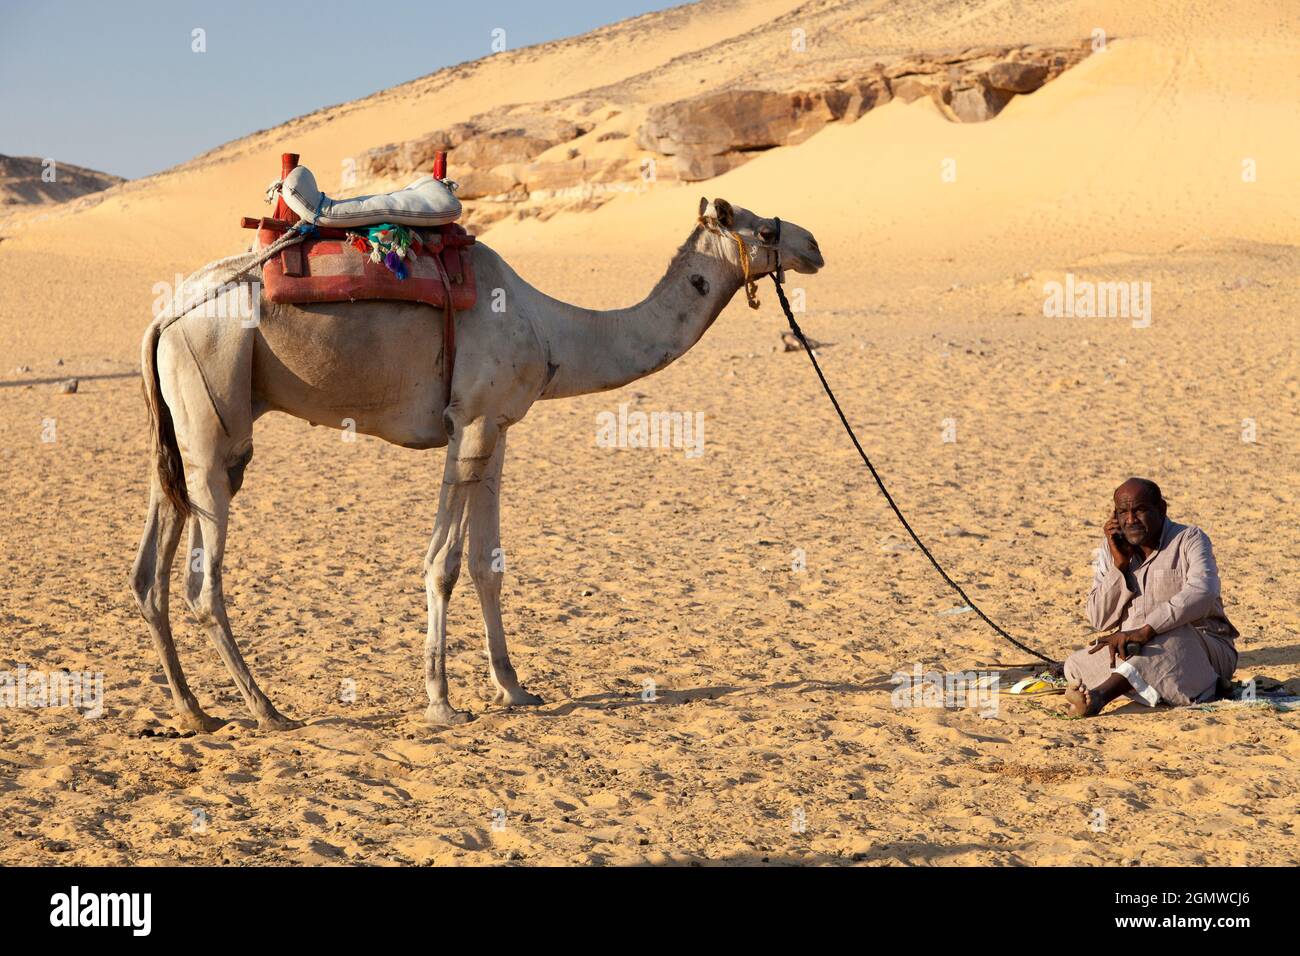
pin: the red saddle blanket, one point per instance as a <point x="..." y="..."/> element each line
<point x="333" y="270"/>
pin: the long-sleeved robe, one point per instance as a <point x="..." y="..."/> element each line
<point x="1176" y="591"/>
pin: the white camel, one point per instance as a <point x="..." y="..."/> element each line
<point x="207" y="379"/>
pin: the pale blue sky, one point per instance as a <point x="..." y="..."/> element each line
<point x="114" y="85"/>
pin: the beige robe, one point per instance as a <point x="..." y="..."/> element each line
<point x="1176" y="591"/>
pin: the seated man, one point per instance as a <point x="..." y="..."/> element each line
<point x="1158" y="584"/>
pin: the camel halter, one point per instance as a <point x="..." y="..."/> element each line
<point x="751" y="285"/>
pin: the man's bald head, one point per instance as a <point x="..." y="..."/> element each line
<point x="1144" y="487"/>
<point x="1140" y="510"/>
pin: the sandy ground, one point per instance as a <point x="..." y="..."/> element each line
<point x="625" y="566"/>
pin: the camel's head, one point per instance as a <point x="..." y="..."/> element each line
<point x="763" y="239"/>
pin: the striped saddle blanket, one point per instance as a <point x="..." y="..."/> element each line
<point x="332" y="267"/>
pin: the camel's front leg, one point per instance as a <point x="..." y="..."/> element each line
<point x="468" y="455"/>
<point x="487" y="568"/>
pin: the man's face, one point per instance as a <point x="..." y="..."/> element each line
<point x="1140" y="514"/>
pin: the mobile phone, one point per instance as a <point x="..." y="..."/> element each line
<point x="1117" y="537"/>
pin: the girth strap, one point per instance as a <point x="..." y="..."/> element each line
<point x="448" y="324"/>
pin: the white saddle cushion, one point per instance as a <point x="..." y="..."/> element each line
<point x="426" y="202"/>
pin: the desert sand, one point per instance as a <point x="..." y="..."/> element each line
<point x="772" y="736"/>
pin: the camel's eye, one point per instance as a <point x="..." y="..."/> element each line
<point x="766" y="233"/>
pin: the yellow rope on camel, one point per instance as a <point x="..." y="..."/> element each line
<point x="751" y="285"/>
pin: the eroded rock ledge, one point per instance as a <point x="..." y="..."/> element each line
<point x="537" y="159"/>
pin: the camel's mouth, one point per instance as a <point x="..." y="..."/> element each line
<point x="807" y="261"/>
<point x="799" y="251"/>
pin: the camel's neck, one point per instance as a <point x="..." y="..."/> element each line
<point x="591" y="351"/>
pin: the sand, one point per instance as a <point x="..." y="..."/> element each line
<point x="772" y="735"/>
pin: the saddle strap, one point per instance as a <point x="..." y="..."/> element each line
<point x="448" y="328"/>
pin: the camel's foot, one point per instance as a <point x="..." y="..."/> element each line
<point x="275" y="721"/>
<point x="198" y="721"/>
<point x="442" y="714"/>
<point x="516" y="697"/>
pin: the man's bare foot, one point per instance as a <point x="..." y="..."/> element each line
<point x="1081" y="701"/>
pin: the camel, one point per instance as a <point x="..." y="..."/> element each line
<point x="379" y="364"/>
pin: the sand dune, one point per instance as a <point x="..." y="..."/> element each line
<point x="774" y="692"/>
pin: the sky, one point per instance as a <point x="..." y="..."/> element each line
<point x="116" y="85"/>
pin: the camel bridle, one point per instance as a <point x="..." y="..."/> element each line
<point x="774" y="244"/>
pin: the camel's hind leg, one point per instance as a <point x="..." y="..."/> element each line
<point x="150" y="582"/>
<point x="210" y="493"/>
<point x="214" y="444"/>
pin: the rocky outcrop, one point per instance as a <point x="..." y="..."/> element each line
<point x="1016" y="77"/>
<point x="975" y="103"/>
<point x="491" y="156"/>
<point x="976" y="84"/>
<point x="534" y="160"/>
<point x="708" y="134"/>
<point x="485" y="155"/>
<point x="28" y="181"/>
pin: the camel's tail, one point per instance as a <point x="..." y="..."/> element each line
<point x="167" y="454"/>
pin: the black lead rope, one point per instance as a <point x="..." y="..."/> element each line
<point x="798" y="333"/>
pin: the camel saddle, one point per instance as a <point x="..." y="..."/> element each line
<point x="328" y="268"/>
<point x="332" y="264"/>
<point x="426" y="202"/>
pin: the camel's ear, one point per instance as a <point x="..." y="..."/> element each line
<point x="726" y="215"/>
<point x="704" y="204"/>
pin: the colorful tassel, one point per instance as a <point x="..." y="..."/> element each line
<point x="387" y="244"/>
<point x="394" y="262"/>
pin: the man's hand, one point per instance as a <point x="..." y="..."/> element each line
<point x="1120" y="550"/>
<point x="1115" y="642"/>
